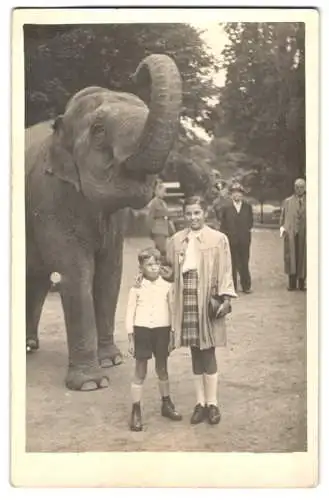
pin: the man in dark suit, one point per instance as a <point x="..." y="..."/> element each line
<point x="236" y="221"/>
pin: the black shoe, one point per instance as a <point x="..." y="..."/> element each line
<point x="168" y="410"/>
<point x="136" y="418"/>
<point x="301" y="285"/>
<point x="199" y="414"/>
<point x="213" y="415"/>
<point x="247" y="291"/>
<point x="292" y="282"/>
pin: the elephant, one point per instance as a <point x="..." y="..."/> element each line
<point x="81" y="170"/>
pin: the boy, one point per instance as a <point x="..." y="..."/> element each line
<point x="148" y="326"/>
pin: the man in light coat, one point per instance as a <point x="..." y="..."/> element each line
<point x="293" y="230"/>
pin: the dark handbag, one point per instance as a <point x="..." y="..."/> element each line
<point x="214" y="304"/>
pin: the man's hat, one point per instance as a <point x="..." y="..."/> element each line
<point x="236" y="186"/>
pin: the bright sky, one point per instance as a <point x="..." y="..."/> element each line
<point x="215" y="37"/>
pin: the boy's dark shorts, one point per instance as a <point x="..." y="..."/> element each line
<point x="150" y="341"/>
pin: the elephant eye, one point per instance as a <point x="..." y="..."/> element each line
<point x="98" y="133"/>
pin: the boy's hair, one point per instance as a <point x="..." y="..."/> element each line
<point x="195" y="200"/>
<point x="147" y="253"/>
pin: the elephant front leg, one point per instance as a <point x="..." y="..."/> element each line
<point x="84" y="371"/>
<point x="106" y="291"/>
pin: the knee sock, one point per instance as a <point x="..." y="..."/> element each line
<point x="211" y="388"/>
<point x="199" y="389"/>
<point x="136" y="392"/>
<point x="163" y="388"/>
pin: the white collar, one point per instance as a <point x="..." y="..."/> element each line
<point x="149" y="282"/>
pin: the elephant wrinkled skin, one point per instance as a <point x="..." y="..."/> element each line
<point x="99" y="157"/>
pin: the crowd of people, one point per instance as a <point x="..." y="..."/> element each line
<point x="185" y="285"/>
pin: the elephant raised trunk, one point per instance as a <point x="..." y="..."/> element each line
<point x="161" y="73"/>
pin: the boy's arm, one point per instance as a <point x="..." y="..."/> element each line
<point x="170" y="288"/>
<point x="131" y="310"/>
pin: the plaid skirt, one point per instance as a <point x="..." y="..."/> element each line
<point x="190" y="335"/>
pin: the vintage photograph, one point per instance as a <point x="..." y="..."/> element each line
<point x="166" y="179"/>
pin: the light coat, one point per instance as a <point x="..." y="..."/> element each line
<point x="215" y="278"/>
<point x="294" y="220"/>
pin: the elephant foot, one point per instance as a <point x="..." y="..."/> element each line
<point x="110" y="356"/>
<point x="83" y="379"/>
<point x="32" y="345"/>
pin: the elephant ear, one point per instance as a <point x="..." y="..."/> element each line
<point x="61" y="160"/>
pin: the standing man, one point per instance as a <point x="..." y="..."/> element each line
<point x="236" y="221"/>
<point x="293" y="228"/>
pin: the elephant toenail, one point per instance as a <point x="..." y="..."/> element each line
<point x="117" y="360"/>
<point x="89" y="386"/>
<point x="104" y="383"/>
<point x="106" y="363"/>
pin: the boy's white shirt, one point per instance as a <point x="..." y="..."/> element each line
<point x="149" y="305"/>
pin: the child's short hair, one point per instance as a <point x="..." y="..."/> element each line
<point x="195" y="200"/>
<point x="147" y="253"/>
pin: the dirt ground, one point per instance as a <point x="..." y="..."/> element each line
<point x="262" y="388"/>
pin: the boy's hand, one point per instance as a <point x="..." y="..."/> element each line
<point x="166" y="272"/>
<point x="131" y="345"/>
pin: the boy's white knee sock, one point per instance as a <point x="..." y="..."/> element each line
<point x="136" y="392"/>
<point x="163" y="387"/>
<point x="211" y="388"/>
<point x="199" y="389"/>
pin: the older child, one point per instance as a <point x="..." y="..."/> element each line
<point x="203" y="287"/>
<point x="148" y="326"/>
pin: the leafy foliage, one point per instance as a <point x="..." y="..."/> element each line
<point x="262" y="105"/>
<point x="61" y="60"/>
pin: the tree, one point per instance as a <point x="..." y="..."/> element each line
<point x="262" y="105"/>
<point x="60" y="60"/>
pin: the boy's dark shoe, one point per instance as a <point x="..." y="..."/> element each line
<point x="136" y="418"/>
<point x="168" y="410"/>
<point x="199" y="414"/>
<point x="213" y="415"/>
